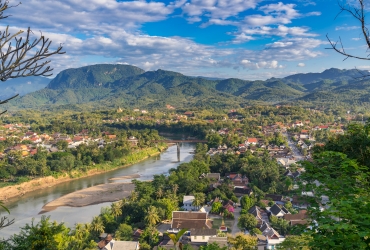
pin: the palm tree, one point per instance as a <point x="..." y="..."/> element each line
<point x="116" y="208"/>
<point x="199" y="199"/>
<point x="175" y="187"/>
<point x="159" y="193"/>
<point x="134" y="195"/>
<point x="152" y="216"/>
<point x="97" y="224"/>
<point x="176" y="237"/>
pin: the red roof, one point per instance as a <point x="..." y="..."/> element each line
<point x="251" y="140"/>
<point x="323" y="126"/>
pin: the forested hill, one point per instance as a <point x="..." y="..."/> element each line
<point x="127" y="86"/>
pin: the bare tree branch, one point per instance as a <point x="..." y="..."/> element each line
<point x="23" y="56"/>
<point x="357" y="13"/>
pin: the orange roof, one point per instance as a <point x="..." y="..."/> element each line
<point x="251" y="140"/>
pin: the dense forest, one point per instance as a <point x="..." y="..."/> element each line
<point x="111" y="85"/>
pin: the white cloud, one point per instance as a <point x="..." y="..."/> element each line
<point x="260" y="64"/>
<point x="220" y="9"/>
<point x="347" y="27"/>
<point x="356" y="39"/>
<point x="301" y="64"/>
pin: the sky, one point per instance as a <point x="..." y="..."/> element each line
<point x="246" y="39"/>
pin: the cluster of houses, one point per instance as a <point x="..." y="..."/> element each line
<point x="29" y="141"/>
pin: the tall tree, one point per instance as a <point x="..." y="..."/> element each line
<point x="247" y="221"/>
<point x="242" y="242"/>
<point x="152" y="216"/>
<point x="176" y="238"/>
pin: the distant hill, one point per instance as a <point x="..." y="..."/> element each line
<point x="112" y="85"/>
<point x="332" y="74"/>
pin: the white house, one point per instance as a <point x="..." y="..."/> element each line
<point x="188" y="203"/>
<point x="202" y="235"/>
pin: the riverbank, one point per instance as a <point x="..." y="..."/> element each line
<point x="109" y="192"/>
<point x="16" y="191"/>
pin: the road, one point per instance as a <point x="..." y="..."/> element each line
<point x="235" y="229"/>
<point x="296" y="153"/>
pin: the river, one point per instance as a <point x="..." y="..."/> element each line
<point x="29" y="206"/>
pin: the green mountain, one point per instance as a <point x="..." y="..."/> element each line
<point x="332" y="74"/>
<point x="112" y="85"/>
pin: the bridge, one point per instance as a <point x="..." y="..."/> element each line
<point x="177" y="142"/>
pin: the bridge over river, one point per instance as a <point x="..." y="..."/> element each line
<point x="177" y="142"/>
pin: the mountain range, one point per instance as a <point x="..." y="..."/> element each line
<point x="112" y="85"/>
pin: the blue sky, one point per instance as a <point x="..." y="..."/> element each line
<point x="247" y="39"/>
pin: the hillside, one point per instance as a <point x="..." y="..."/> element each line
<point x="124" y="85"/>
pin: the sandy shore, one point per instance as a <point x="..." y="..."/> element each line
<point x="125" y="177"/>
<point x="11" y="192"/>
<point x="94" y="195"/>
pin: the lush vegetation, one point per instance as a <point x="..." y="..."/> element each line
<point x="129" y="86"/>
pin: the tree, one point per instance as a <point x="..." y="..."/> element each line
<point x="255" y="231"/>
<point x="62" y="144"/>
<point x="242" y="242"/>
<point x="116" y="208"/>
<point x="124" y="232"/>
<point x="199" y="199"/>
<point x="176" y="237"/>
<point x="212" y="246"/>
<point x="295" y="242"/>
<point x="358" y="13"/>
<point x="4" y="221"/>
<point x="25" y="56"/>
<point x="216" y="207"/>
<point x="97" y="224"/>
<point x="152" y="216"/>
<point x="246" y="202"/>
<point x="43" y="235"/>
<point x="345" y="222"/>
<point x="247" y="221"/>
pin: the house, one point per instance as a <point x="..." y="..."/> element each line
<point x="126" y="245"/>
<point x="229" y="206"/>
<point x="189" y="113"/>
<point x="238" y="179"/>
<point x="133" y="140"/>
<point x="220" y="241"/>
<point x="189" y="219"/>
<point x="211" y="176"/>
<point x="188" y="203"/>
<point x="251" y="141"/>
<point x="258" y="213"/>
<point x="106" y="243"/>
<point x="295" y="219"/>
<point x="202" y="235"/>
<point x="300" y="202"/>
<point x="277" y="211"/>
<point x="240" y="191"/>
<point x="275" y="197"/>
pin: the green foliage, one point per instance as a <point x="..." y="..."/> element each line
<point x="247" y="202"/>
<point x="280" y="225"/>
<point x="216" y="207"/>
<point x="212" y="246"/>
<point x="295" y="242"/>
<point x="44" y="235"/>
<point x="242" y="242"/>
<point x="247" y="221"/>
<point x="343" y="175"/>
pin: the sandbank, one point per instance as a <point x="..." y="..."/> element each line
<point x="109" y="192"/>
<point x="132" y="176"/>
